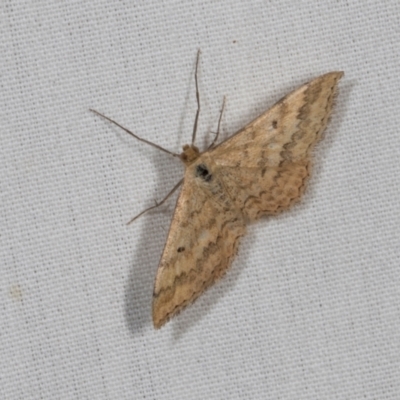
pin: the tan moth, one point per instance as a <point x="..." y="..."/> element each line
<point x="260" y="170"/>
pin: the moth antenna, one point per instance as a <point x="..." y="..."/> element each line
<point x="132" y="134"/>
<point x="219" y="125"/>
<point x="197" y="98"/>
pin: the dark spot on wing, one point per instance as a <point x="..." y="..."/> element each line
<point x="203" y="173"/>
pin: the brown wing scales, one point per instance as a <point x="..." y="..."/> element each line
<point x="274" y="151"/>
<point x="202" y="241"/>
<point x="259" y="171"/>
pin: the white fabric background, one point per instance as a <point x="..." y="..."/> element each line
<point x="311" y="306"/>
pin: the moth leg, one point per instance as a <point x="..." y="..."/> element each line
<point x="158" y="204"/>
<point x="219" y="125"/>
<point x="197" y="98"/>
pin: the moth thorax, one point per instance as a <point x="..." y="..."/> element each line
<point x="190" y="153"/>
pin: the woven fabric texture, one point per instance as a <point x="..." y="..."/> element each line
<point x="310" y="306"/>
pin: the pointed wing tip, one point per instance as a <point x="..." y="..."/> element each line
<point x="334" y="74"/>
<point x="160" y="317"/>
<point x="339" y="74"/>
<point x="160" y="321"/>
<point x="157" y="322"/>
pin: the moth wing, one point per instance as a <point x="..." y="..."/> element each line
<point x="266" y="164"/>
<point x="202" y="240"/>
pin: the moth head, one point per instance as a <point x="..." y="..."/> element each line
<point x="189" y="154"/>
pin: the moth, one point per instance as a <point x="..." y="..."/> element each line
<point x="261" y="170"/>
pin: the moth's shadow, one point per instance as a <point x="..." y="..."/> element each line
<point x="139" y="288"/>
